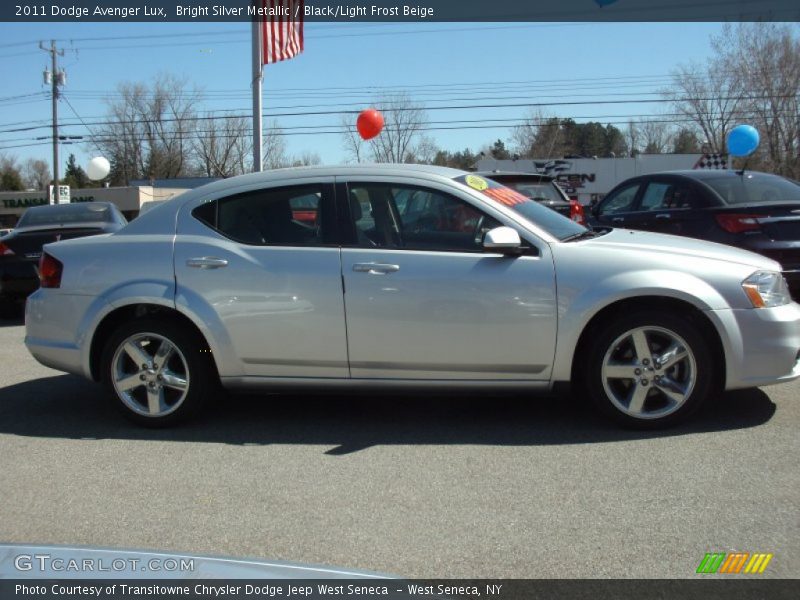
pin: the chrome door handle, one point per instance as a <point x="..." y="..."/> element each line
<point x="375" y="268"/>
<point x="663" y="216"/>
<point x="206" y="262"/>
<point x="617" y="219"/>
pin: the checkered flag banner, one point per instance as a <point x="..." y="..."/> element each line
<point x="712" y="161"/>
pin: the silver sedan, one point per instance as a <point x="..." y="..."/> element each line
<point x="401" y="276"/>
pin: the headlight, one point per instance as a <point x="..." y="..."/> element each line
<point x="766" y="289"/>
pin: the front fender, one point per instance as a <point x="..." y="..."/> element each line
<point x="578" y="305"/>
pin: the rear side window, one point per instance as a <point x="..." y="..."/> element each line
<point x="668" y="196"/>
<point x="291" y="216"/>
<point x="753" y="188"/>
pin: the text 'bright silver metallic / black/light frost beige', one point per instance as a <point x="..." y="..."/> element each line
<point x="403" y="275"/>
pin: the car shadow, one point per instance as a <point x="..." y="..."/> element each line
<point x="15" y="321"/>
<point x="67" y="406"/>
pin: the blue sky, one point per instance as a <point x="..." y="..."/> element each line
<point x="460" y="63"/>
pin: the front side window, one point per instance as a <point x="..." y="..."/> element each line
<point x="292" y="216"/>
<point x="416" y="218"/>
<point x="620" y="202"/>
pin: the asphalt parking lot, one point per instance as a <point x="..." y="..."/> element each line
<point x="504" y="487"/>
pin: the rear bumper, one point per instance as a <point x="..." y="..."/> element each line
<point x="53" y="331"/>
<point x="762" y="346"/>
<point x="18" y="279"/>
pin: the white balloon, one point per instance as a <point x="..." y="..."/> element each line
<point x="98" y="168"/>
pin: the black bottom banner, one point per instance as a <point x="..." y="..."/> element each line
<point x="400" y="589"/>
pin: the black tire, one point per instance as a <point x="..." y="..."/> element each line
<point x="190" y="362"/>
<point x="663" y="396"/>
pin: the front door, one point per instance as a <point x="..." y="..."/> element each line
<point x="424" y="301"/>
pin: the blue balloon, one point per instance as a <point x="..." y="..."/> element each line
<point x="602" y="3"/>
<point x="743" y="140"/>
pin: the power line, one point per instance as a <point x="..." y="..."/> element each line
<point x="436" y="108"/>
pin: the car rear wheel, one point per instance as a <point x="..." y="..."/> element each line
<point x="158" y="372"/>
<point x="649" y="369"/>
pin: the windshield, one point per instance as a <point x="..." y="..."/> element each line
<point x="57" y="214"/>
<point x="754" y="188"/>
<point x="545" y="218"/>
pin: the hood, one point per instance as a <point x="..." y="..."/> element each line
<point x="628" y="240"/>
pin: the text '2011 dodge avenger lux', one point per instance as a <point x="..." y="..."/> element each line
<point x="478" y="287"/>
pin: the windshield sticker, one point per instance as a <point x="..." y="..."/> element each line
<point x="477" y="183"/>
<point x="505" y="196"/>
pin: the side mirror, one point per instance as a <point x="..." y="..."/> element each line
<point x="502" y="239"/>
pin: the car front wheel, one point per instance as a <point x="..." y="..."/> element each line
<point x="649" y="369"/>
<point x="158" y="373"/>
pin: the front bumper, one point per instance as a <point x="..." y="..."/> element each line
<point x="762" y="346"/>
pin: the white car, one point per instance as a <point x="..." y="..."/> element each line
<point x="311" y="279"/>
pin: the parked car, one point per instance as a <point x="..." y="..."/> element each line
<point x="542" y="188"/>
<point x="221" y="285"/>
<point x="750" y="210"/>
<point x="21" y="249"/>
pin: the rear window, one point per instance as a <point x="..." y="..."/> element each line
<point x="546" y="218"/>
<point x="545" y="191"/>
<point x="56" y="214"/>
<point x="754" y="188"/>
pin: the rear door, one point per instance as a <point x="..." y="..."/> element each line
<point x="264" y="264"/>
<point x="674" y="205"/>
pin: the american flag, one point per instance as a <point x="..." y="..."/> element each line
<point x="281" y="30"/>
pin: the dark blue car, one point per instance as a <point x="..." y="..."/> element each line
<point x="750" y="210"/>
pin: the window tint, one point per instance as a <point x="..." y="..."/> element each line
<point x="391" y="216"/>
<point x="53" y="214"/>
<point x="668" y="196"/>
<point x="753" y="187"/>
<point x="622" y="201"/>
<point x="281" y="216"/>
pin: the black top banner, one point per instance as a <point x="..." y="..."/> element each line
<point x="398" y="11"/>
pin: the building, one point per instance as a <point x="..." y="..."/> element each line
<point x="128" y="199"/>
<point x="590" y="179"/>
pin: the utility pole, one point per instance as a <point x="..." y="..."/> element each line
<point x="56" y="78"/>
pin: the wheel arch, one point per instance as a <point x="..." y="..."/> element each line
<point x="130" y="312"/>
<point x="668" y="304"/>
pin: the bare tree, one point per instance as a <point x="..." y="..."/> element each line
<point x="222" y="145"/>
<point x="36" y="174"/>
<point x="655" y="136"/>
<point x="399" y="141"/>
<point x="710" y="97"/>
<point x="632" y="137"/>
<point x="273" y="150"/>
<point x="306" y="159"/>
<point x="151" y="129"/>
<point x="764" y="60"/>
<point x="540" y="136"/>
<point x="424" y="151"/>
<point x="353" y="144"/>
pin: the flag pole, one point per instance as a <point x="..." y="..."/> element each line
<point x="257" y="80"/>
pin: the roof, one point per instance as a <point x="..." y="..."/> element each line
<point x="521" y="174"/>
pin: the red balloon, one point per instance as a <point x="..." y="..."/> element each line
<point x="369" y="123"/>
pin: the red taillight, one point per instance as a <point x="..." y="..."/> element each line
<point x="50" y="271"/>
<point x="576" y="212"/>
<point x="738" y="223"/>
<point x="5" y="250"/>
